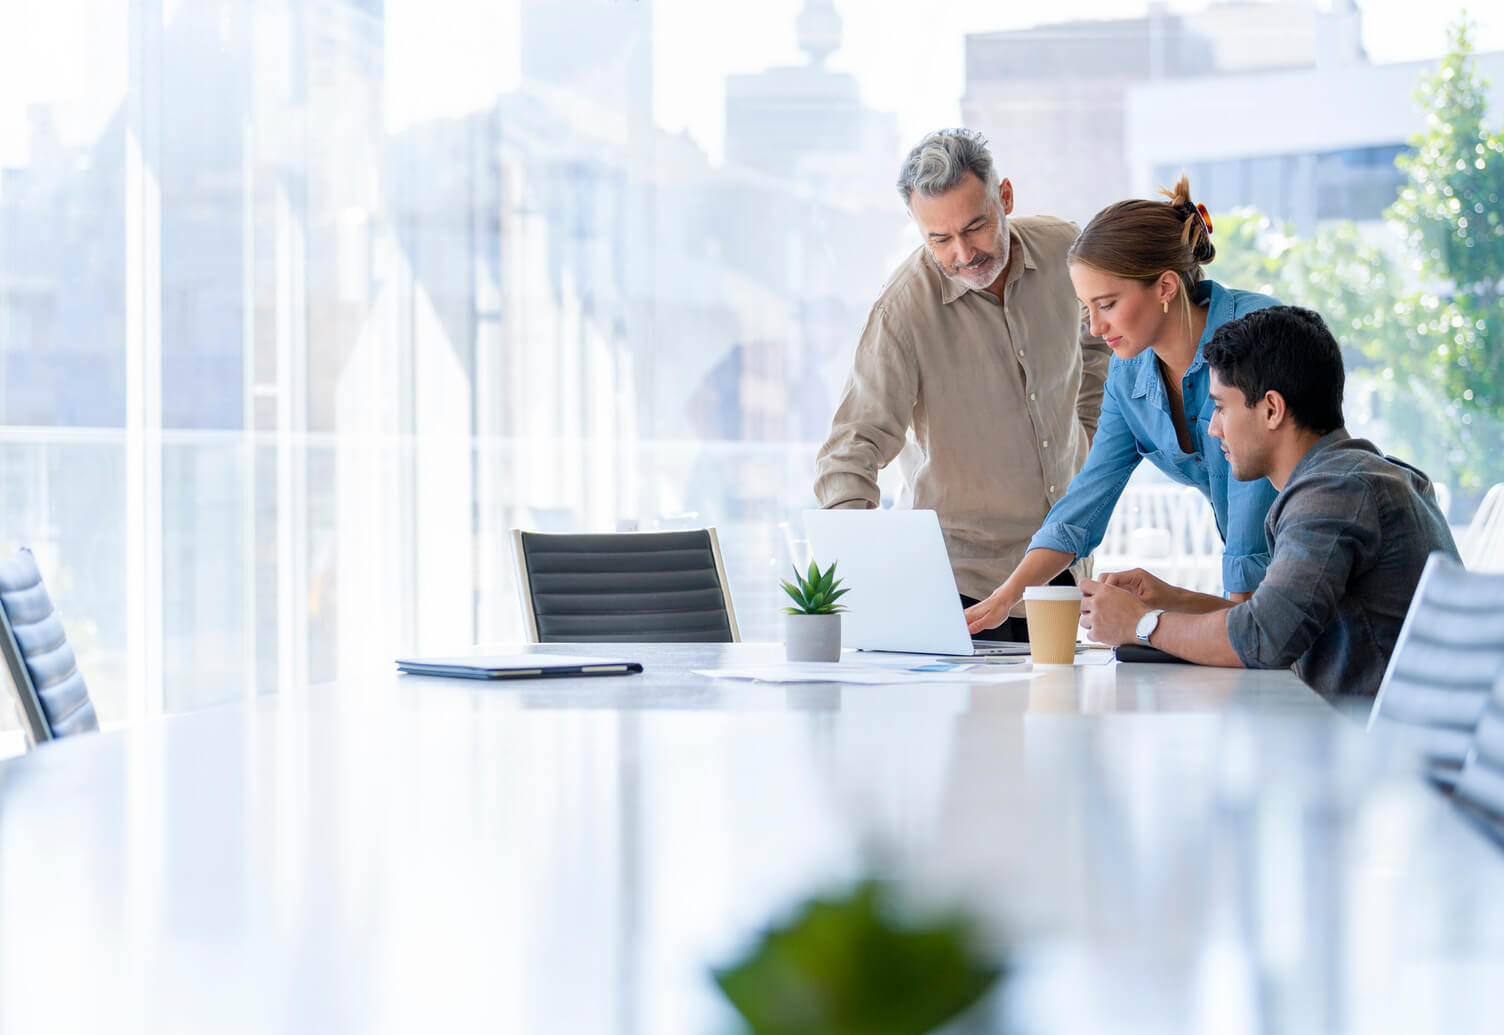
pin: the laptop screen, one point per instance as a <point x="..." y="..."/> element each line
<point x="903" y="595"/>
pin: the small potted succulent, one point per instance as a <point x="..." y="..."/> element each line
<point x="813" y="626"/>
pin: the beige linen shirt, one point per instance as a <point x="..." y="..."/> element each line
<point x="1002" y="397"/>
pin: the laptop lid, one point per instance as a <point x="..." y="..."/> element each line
<point x="903" y="595"/>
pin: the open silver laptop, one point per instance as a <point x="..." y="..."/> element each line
<point x="902" y="594"/>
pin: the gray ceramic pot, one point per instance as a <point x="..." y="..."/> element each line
<point x="812" y="637"/>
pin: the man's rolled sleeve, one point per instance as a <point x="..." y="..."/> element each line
<point x="1095" y="359"/>
<point x="1321" y="536"/>
<point x="872" y="419"/>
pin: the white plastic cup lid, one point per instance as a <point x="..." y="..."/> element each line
<point x="1052" y="592"/>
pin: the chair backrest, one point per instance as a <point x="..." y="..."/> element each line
<point x="626" y="587"/>
<point x="1481" y="782"/>
<point x="1481" y="546"/>
<point x="1448" y="653"/>
<point x="54" y="702"/>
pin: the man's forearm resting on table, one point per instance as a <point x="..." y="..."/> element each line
<point x="1188" y="601"/>
<point x="1201" y="638"/>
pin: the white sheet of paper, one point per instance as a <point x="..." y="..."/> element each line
<point x="879" y="659"/>
<point x="1095" y="655"/>
<point x="846" y="672"/>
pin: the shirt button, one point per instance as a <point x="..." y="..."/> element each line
<point x="1020" y="353"/>
<point x="1045" y="444"/>
<point x="1052" y="488"/>
<point x="1031" y="396"/>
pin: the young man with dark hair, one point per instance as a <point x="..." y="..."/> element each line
<point x="1349" y="532"/>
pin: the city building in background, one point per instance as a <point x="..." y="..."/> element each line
<point x="1329" y="155"/>
<point x="1052" y="101"/>
<point x="807" y="123"/>
<point x="1273" y="105"/>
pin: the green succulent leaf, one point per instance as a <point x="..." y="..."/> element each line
<point x="794" y="592"/>
<point x="814" y="592"/>
<point x="824" y="583"/>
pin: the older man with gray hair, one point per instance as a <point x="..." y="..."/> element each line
<point x="976" y="343"/>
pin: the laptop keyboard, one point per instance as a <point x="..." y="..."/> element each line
<point x="999" y="648"/>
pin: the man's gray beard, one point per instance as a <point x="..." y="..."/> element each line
<point x="1001" y="261"/>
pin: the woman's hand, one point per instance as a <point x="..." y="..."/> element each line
<point x="989" y="613"/>
<point x="1038" y="567"/>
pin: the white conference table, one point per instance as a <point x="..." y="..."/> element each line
<point x="1165" y="848"/>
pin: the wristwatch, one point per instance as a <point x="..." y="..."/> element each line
<point x="1147" y="625"/>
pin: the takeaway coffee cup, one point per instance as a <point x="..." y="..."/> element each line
<point x="1053" y="612"/>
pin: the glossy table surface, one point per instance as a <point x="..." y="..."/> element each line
<point x="1164" y="848"/>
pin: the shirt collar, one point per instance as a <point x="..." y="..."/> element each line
<point x="1219" y="309"/>
<point x="1331" y="438"/>
<point x="1148" y="375"/>
<point x="952" y="289"/>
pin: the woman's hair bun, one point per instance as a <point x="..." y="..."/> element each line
<point x="1196" y="230"/>
<point x="1180" y="195"/>
<point x="1203" y="251"/>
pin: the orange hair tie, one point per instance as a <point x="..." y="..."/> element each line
<point x="1206" y="219"/>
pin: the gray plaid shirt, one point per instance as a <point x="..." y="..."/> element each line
<point x="1348" y="538"/>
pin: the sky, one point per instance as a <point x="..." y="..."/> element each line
<point x="445" y="57"/>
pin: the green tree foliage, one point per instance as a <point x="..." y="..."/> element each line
<point x="1450" y="213"/>
<point x="1423" y="332"/>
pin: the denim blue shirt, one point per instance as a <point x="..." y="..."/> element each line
<point x="1136" y="424"/>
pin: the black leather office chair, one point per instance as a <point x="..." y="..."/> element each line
<point x="1443" y="667"/>
<point x="53" y="700"/>
<point x="627" y="587"/>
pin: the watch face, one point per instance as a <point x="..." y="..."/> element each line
<point x="1147" y="625"/>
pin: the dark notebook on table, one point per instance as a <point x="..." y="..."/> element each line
<point x="517" y="666"/>
<point x="1152" y="655"/>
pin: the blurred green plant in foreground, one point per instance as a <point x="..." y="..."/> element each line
<point x="861" y="963"/>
